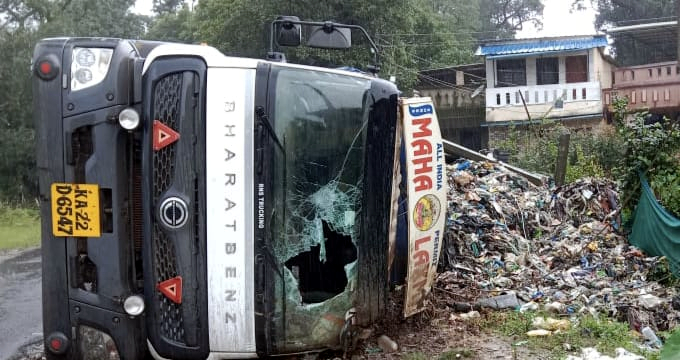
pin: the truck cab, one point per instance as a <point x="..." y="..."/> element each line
<point x="196" y="205"/>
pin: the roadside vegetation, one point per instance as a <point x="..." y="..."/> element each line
<point x="602" y="333"/>
<point x="451" y="354"/>
<point x="19" y="227"/>
<point x="619" y="151"/>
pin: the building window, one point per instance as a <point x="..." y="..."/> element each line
<point x="577" y="68"/>
<point x="511" y="72"/>
<point x="547" y="71"/>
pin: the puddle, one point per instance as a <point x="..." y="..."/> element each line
<point x="25" y="266"/>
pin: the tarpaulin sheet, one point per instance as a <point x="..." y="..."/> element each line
<point x="655" y="230"/>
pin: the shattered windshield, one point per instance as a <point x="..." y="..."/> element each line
<point x="320" y="118"/>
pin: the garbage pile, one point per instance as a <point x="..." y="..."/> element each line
<point x="512" y="244"/>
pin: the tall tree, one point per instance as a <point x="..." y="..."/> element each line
<point x="242" y="27"/>
<point x="162" y="7"/>
<point x="17" y="175"/>
<point x="179" y="26"/>
<point x="503" y="18"/>
<point x="620" y="12"/>
<point x="111" y="18"/>
<point x="629" y="49"/>
<point x="19" y="14"/>
<point x="22" y="23"/>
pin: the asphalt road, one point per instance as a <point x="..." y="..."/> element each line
<point x="20" y="305"/>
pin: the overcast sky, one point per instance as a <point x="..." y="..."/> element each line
<point x="558" y="20"/>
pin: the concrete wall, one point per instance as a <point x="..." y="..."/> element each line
<point x="602" y="69"/>
<point x="501" y="133"/>
<point x="538" y="111"/>
<point x="540" y="104"/>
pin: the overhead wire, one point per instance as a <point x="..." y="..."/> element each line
<point x="435" y="80"/>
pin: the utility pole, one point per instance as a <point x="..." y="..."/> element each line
<point x="562" y="158"/>
<point x="677" y="29"/>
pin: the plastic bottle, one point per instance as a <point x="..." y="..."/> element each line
<point x="649" y="334"/>
<point x="387" y="345"/>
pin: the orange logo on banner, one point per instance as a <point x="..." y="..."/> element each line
<point x="172" y="289"/>
<point x="163" y="135"/>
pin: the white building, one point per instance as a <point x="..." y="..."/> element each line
<point x="557" y="78"/>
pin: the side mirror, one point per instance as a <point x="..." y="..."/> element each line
<point x="288" y="31"/>
<point x="330" y="36"/>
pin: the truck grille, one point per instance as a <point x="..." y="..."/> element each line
<point x="171" y="316"/>
<point x="167" y="98"/>
<point x="166" y="104"/>
<point x="174" y="95"/>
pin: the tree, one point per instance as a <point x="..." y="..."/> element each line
<point x="503" y="18"/>
<point x="240" y="27"/>
<point x="411" y="34"/>
<point x="162" y="7"/>
<point x="627" y="49"/>
<point x="22" y="23"/>
<point x="179" y="26"/>
<point x="19" y="14"/>
<point x="110" y="18"/>
<point x="612" y="12"/>
<point x="17" y="175"/>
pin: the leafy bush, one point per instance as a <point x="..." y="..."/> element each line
<point x="18" y="181"/>
<point x="532" y="147"/>
<point x="653" y="150"/>
<point x="593" y="153"/>
<point x="583" y="165"/>
<point x="20" y="227"/>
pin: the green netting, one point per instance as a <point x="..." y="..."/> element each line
<point x="655" y="230"/>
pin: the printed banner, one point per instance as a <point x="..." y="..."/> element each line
<point x="426" y="178"/>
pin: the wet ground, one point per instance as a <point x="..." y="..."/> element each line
<point x="21" y="324"/>
<point x="20" y="305"/>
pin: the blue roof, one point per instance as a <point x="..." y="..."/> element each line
<point x="517" y="48"/>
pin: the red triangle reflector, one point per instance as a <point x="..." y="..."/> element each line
<point x="163" y="135"/>
<point x="172" y="289"/>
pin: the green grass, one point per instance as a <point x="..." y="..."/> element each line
<point x="19" y="227"/>
<point x="414" y="356"/>
<point x="603" y="334"/>
<point x="451" y="354"/>
<point x="457" y="353"/>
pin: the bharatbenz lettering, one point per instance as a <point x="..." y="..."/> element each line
<point x="201" y="206"/>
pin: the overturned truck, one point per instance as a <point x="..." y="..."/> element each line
<point x="200" y="206"/>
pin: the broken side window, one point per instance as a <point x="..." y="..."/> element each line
<point x="320" y="118"/>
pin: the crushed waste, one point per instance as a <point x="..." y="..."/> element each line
<point x="511" y="244"/>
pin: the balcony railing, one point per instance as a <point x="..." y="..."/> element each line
<point x="648" y="74"/>
<point x="651" y="87"/>
<point x="542" y="94"/>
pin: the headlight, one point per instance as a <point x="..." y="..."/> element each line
<point x="128" y="120"/>
<point x="85" y="57"/>
<point x="134" y="305"/>
<point x="89" y="66"/>
<point x="95" y="344"/>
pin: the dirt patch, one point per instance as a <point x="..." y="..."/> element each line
<point x="434" y="334"/>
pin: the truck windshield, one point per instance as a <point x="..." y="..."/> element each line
<point x="320" y="118"/>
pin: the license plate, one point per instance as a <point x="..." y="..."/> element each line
<point x="75" y="210"/>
